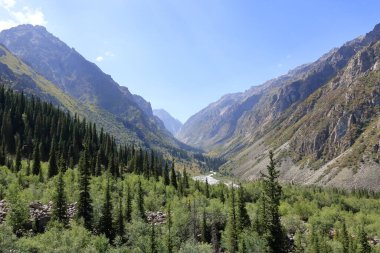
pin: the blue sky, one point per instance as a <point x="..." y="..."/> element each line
<point x="181" y="55"/>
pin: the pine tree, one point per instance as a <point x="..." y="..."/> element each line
<point x="344" y="238"/>
<point x="204" y="227"/>
<point x="272" y="189"/>
<point x="231" y="230"/>
<point x="185" y="179"/>
<point x="173" y="177"/>
<point x="105" y="222"/>
<point x="98" y="165"/>
<point x="140" y="200"/>
<point x="36" y="160"/>
<point x="241" y="212"/>
<point x="85" y="209"/>
<point x="18" y="159"/>
<point x="53" y="168"/>
<point x="128" y="206"/>
<point x="207" y="189"/>
<point x="364" y="246"/>
<point x="153" y="244"/>
<point x="120" y="227"/>
<point x="166" y="174"/>
<point x="59" y="201"/>
<point x="169" y="243"/>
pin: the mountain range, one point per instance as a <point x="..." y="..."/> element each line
<point x="321" y="119"/>
<point x="36" y="62"/>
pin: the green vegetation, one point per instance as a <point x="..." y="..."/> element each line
<point x="127" y="199"/>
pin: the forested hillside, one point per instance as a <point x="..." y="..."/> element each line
<point x="65" y="186"/>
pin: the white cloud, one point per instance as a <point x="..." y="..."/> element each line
<point x="25" y="15"/>
<point x="99" y="59"/>
<point x="7" y="4"/>
<point x="29" y="16"/>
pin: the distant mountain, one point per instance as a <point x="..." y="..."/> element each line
<point x="127" y="116"/>
<point x="172" y="124"/>
<point x="322" y="120"/>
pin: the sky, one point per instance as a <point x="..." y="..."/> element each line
<point x="182" y="55"/>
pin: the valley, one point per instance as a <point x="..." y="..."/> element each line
<point x="288" y="166"/>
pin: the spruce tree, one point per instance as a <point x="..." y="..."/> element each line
<point x="59" y="201"/>
<point x="85" y="209"/>
<point x="153" y="243"/>
<point x="185" y="179"/>
<point x="273" y="191"/>
<point x="52" y="168"/>
<point x="120" y="226"/>
<point x="173" y="176"/>
<point x="18" y="159"/>
<point x="36" y="160"/>
<point x="128" y="205"/>
<point x="166" y="174"/>
<point x="207" y="189"/>
<point x="169" y="243"/>
<point x="344" y="238"/>
<point x="231" y="230"/>
<point x="140" y="200"/>
<point x="105" y="222"/>
<point x="364" y="246"/>
<point x="204" y="227"/>
<point x="241" y="212"/>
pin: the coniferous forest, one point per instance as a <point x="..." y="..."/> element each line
<point x="67" y="186"/>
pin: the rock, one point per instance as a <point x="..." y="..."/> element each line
<point x="156" y="217"/>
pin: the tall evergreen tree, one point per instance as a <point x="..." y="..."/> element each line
<point x="36" y="160"/>
<point x="166" y="174"/>
<point x="185" y="179"/>
<point x="207" y="189"/>
<point x="241" y="212"/>
<point x="140" y="200"/>
<point x="344" y="237"/>
<point x="153" y="243"/>
<point x="231" y="230"/>
<point x="128" y="205"/>
<point x="273" y="191"/>
<point x="85" y="209"/>
<point x="169" y="242"/>
<point x="59" y="201"/>
<point x="52" y="168"/>
<point x="105" y="221"/>
<point x="173" y="176"/>
<point x="18" y="159"/>
<point x="120" y="226"/>
<point x="364" y="246"/>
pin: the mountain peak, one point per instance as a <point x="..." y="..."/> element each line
<point x="172" y="124"/>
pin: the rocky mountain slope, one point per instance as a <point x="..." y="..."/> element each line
<point x="172" y="124"/>
<point x="322" y="119"/>
<point x="88" y="86"/>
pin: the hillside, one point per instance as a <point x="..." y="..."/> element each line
<point x="172" y="124"/>
<point x="89" y="86"/>
<point x="311" y="116"/>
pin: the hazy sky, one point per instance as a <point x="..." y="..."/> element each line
<point x="182" y="55"/>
